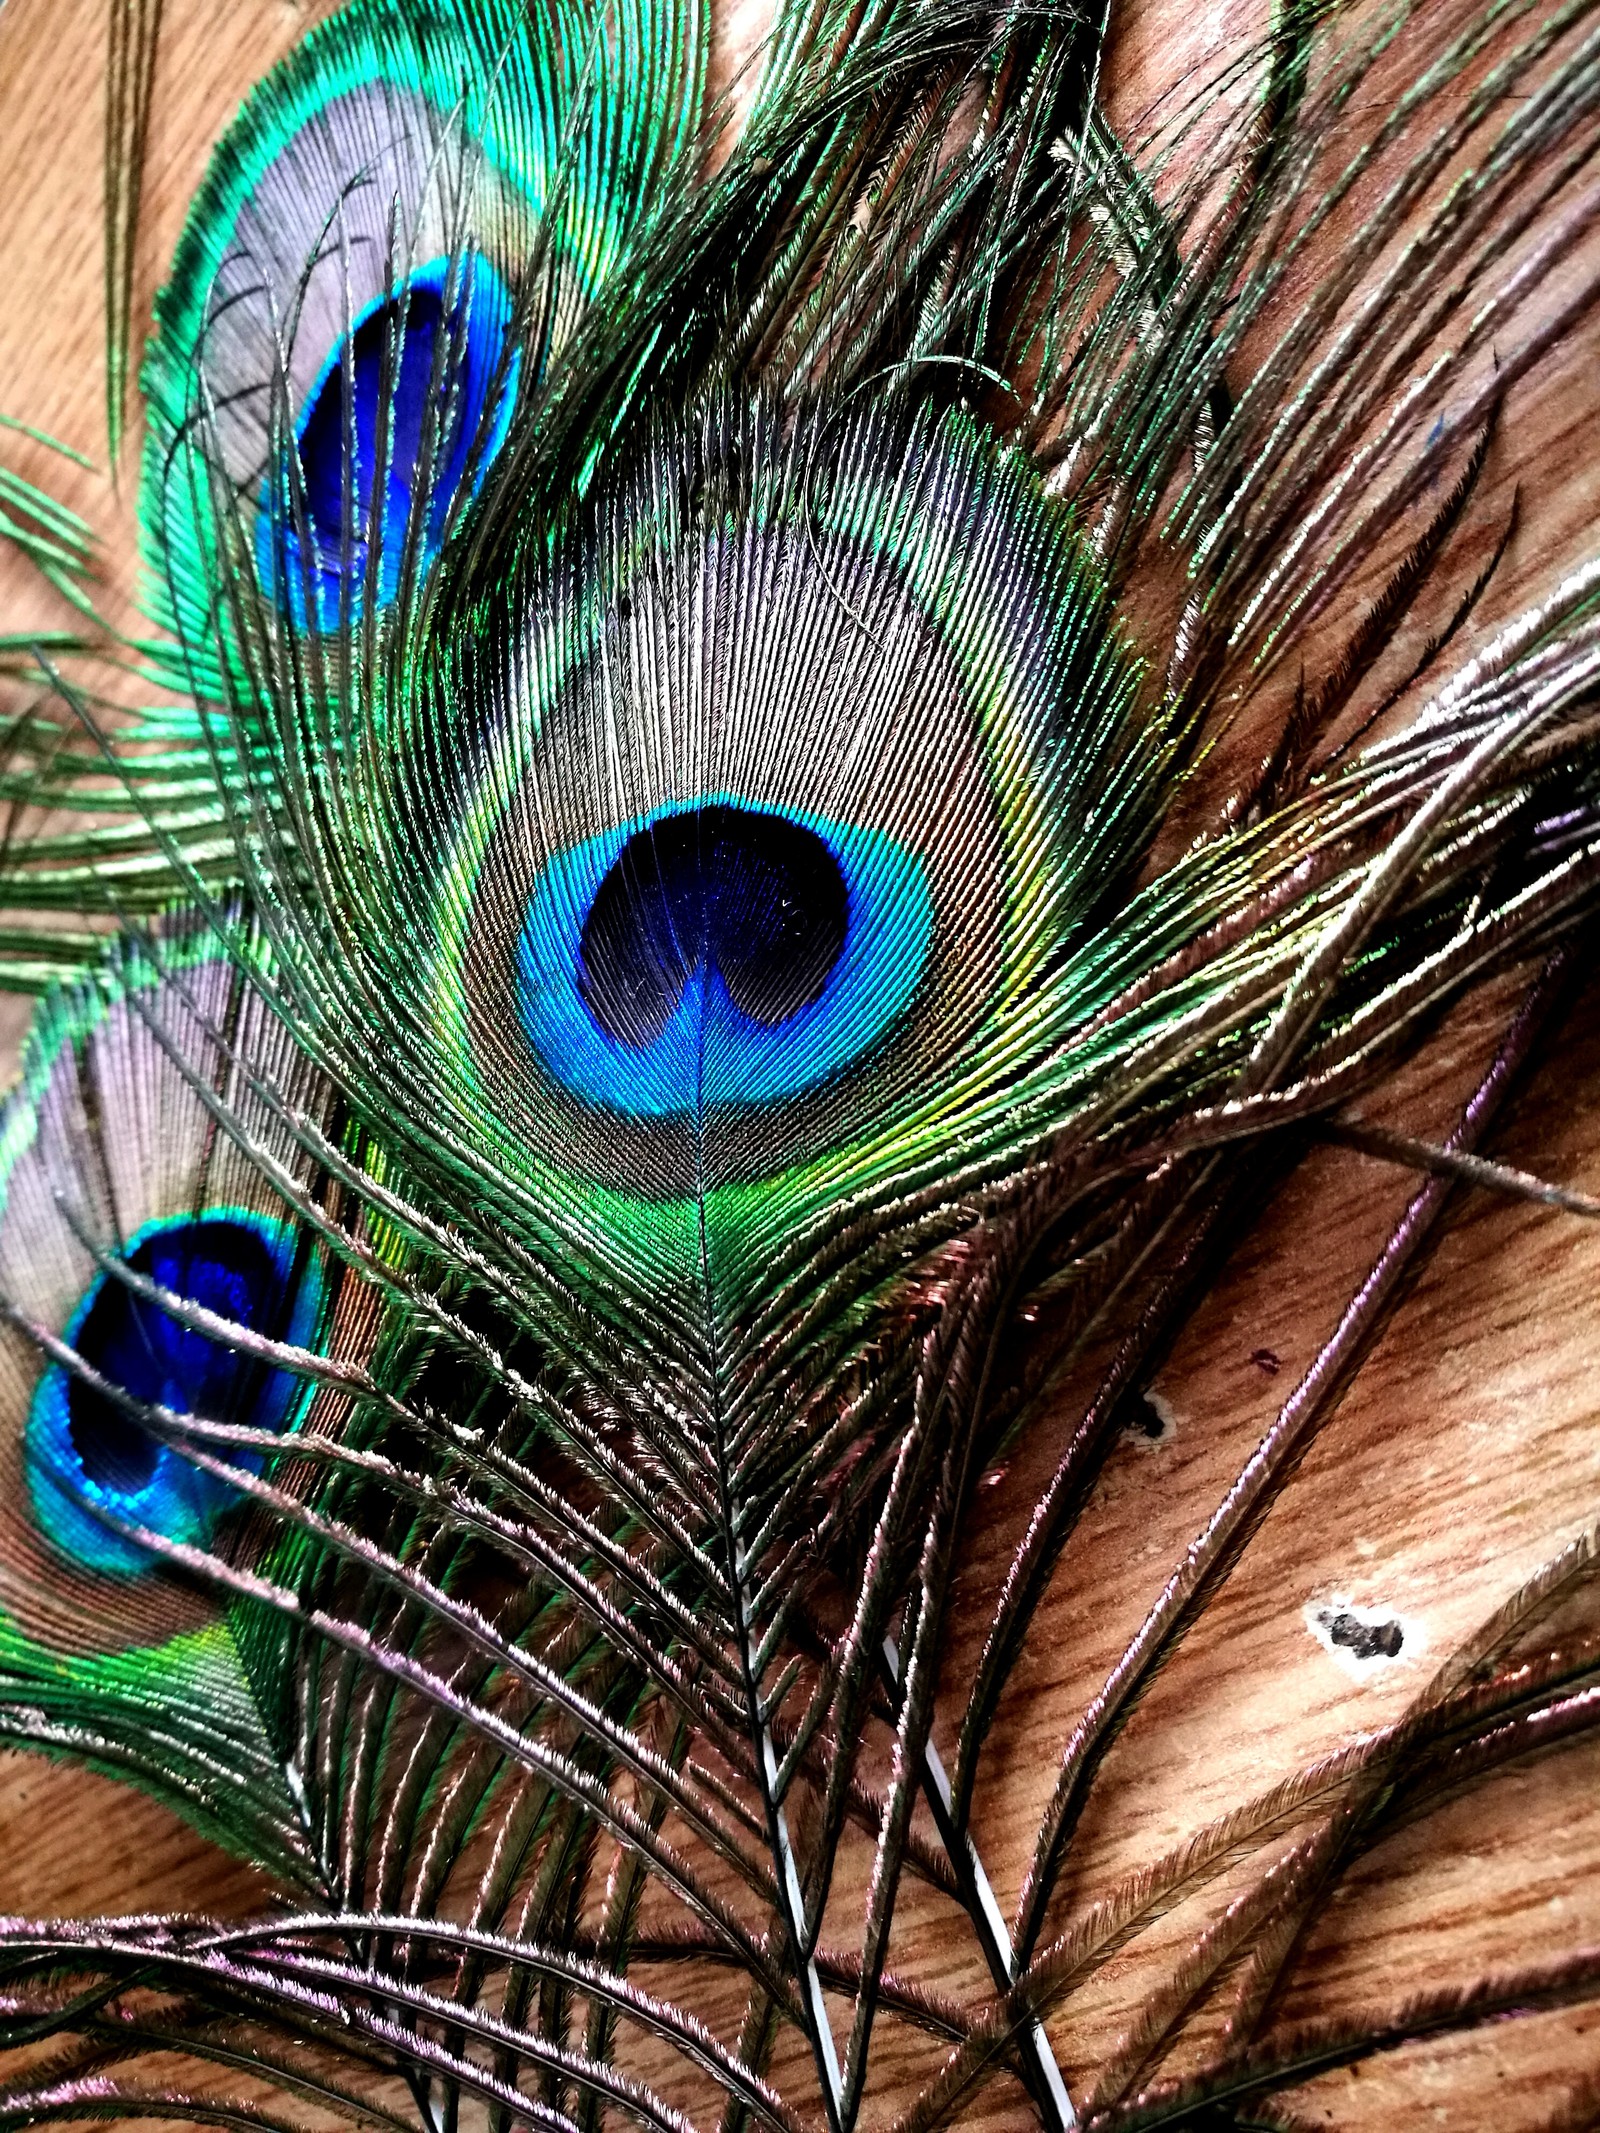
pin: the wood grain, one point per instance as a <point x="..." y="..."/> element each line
<point x="1464" y="1456"/>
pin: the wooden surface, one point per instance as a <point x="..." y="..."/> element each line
<point x="1465" y="1456"/>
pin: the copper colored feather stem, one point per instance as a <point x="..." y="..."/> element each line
<point x="1485" y="1723"/>
<point x="952" y="1381"/>
<point x="757" y="2029"/>
<point x="1553" y="1721"/>
<point x="1320" y="2046"/>
<point x="1041" y="2071"/>
<point x="1401" y="1148"/>
<point x="1450" y="1701"/>
<point x="1036" y="1553"/>
<point x="1212" y="1550"/>
<point x="1383" y="1797"/>
<point x="1266" y="1965"/>
<point x="1254" y="1910"/>
<point x="100" y="2096"/>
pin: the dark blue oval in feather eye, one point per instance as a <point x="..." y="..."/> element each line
<point x="408" y="412"/>
<point x="85" y="1448"/>
<point x="753" y="898"/>
<point x="719" y="954"/>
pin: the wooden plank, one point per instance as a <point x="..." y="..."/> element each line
<point x="1465" y="1455"/>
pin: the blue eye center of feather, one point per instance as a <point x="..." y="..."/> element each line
<point x="757" y="899"/>
<point x="154" y="1358"/>
<point x="719" y="954"/>
<point x="87" y="1447"/>
<point x="409" y="411"/>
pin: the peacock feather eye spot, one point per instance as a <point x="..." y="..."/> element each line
<point x="410" y="405"/>
<point x="772" y="834"/>
<point x="347" y="402"/>
<point x="747" y="899"/>
<point x="116" y="1454"/>
<point x="84" y="1445"/>
<point x="718" y="953"/>
<point x="138" y="1347"/>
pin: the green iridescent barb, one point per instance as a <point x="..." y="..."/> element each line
<point x="765" y="758"/>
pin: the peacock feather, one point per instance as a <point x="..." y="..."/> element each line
<point x="153" y="1273"/>
<point x="788" y="746"/>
